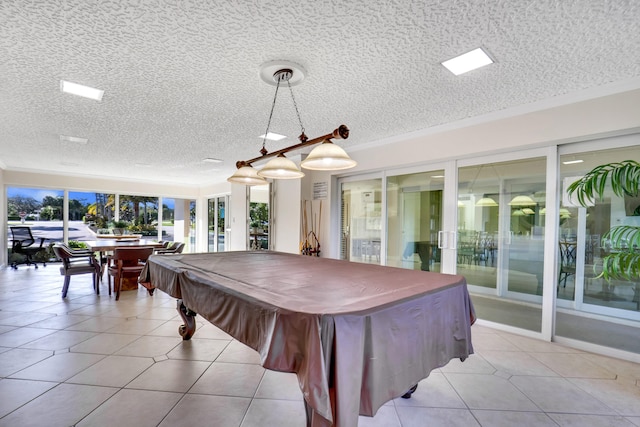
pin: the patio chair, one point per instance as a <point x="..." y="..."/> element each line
<point x="76" y="262"/>
<point x="171" y="248"/>
<point x="24" y="243"/>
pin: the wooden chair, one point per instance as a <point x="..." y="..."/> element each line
<point x="76" y="262"/>
<point x="126" y="261"/>
<point x="24" y="243"/>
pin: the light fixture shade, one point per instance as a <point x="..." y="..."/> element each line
<point x="522" y="201"/>
<point x="246" y="175"/>
<point x="528" y="211"/>
<point x="486" y="201"/>
<point x="327" y="157"/>
<point x="280" y="168"/>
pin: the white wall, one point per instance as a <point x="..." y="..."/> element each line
<point x="78" y="183"/>
<point x="238" y="219"/>
<point x="286" y="215"/>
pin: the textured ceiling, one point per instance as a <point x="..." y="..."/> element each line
<point x="182" y="83"/>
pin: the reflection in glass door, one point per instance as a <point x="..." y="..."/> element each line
<point x="216" y="224"/>
<point x="361" y="221"/>
<point x="500" y="245"/>
<point x="589" y="307"/>
<point x="414" y="219"/>
<point x="259" y="217"/>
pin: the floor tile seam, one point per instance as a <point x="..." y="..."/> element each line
<point x="580" y="355"/>
<point x="588" y="414"/>
<point x="27" y="367"/>
<point x="132" y="379"/>
<point x="113" y="353"/>
<point x="97" y="407"/>
<point x="95" y="334"/>
<point x="172" y="408"/>
<point x="512" y="411"/>
<point x="301" y="399"/>
<point x="32" y="399"/>
<point x="72" y="375"/>
<point x="58" y="384"/>
<point x="446" y="378"/>
<point x="571" y="383"/>
<point x="546" y="365"/>
<point x="480" y="351"/>
<point x="511" y="375"/>
<point x="64" y="328"/>
<point x="587" y="390"/>
<point x="418" y="405"/>
<point x="208" y="367"/>
<point x="506" y="379"/>
<point x="515" y="339"/>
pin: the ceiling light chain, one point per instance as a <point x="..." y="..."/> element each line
<point x="302" y="137"/>
<point x="278" y="77"/>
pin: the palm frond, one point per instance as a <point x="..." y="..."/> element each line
<point x="623" y="262"/>
<point x="624" y="178"/>
<point x="621" y="266"/>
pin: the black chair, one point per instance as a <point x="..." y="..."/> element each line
<point x="23" y="243"/>
<point x="567" y="262"/>
<point x="77" y="262"/>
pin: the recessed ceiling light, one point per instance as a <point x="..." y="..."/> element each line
<point x="572" y="162"/>
<point x="272" y="136"/>
<point x="437" y="176"/>
<point x="469" y="61"/>
<point x="212" y="160"/>
<point x="74" y="139"/>
<point x="80" y="90"/>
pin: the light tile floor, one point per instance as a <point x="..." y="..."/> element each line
<point x="88" y="360"/>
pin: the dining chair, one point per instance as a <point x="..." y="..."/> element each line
<point x="126" y="262"/>
<point x="567" y="261"/>
<point x="76" y="262"/>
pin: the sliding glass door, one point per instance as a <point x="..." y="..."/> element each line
<point x="217" y="214"/>
<point x="589" y="307"/>
<point x="500" y="244"/>
<point x="361" y="220"/>
<point x="414" y="220"/>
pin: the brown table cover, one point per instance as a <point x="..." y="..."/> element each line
<point x="365" y="332"/>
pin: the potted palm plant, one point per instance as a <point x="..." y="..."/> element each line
<point x="623" y="263"/>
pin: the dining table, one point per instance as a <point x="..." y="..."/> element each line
<point x="104" y="246"/>
<point x="356" y="335"/>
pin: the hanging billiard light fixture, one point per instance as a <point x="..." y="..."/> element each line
<point x="327" y="156"/>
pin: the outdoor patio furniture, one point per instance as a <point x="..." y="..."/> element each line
<point x="171" y="248"/>
<point x="77" y="262"/>
<point x="25" y="244"/>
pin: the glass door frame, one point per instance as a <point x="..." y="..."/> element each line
<point x="578" y="304"/>
<point x="336" y="219"/>
<point x="548" y="298"/>
<point x="216" y="210"/>
<point x="446" y="236"/>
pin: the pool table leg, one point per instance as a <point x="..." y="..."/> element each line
<point x="186" y="330"/>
